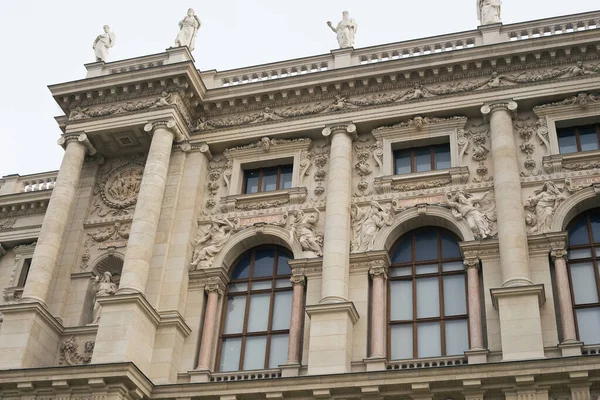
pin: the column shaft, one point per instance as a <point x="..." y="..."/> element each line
<point x="475" y="327"/>
<point x="45" y="257"/>
<point x="296" y="320"/>
<point x="147" y="212"/>
<point x="208" y="329"/>
<point x="378" y="317"/>
<point x="567" y="319"/>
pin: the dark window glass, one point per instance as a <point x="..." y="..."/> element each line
<point x="267" y="179"/>
<point x="251" y="181"/>
<point x="579" y="138"/>
<point x="24" y="272"/>
<point x="421" y="159"/>
<point x="442" y="157"/>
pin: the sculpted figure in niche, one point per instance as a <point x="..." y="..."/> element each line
<point x="488" y="11"/>
<point x="104" y="286"/>
<point x="103" y="43"/>
<point x="209" y="244"/>
<point x="303" y="228"/>
<point x="366" y="222"/>
<point x="345" y="30"/>
<point x="543" y="204"/>
<point x="471" y="208"/>
<point x="188" y="29"/>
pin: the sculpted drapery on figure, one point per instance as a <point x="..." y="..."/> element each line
<point x="366" y="222"/>
<point x="345" y="30"/>
<point x="474" y="209"/>
<point x="488" y="11"/>
<point x="209" y="244"/>
<point x="103" y="43"/>
<point x="104" y="286"/>
<point x="188" y="29"/>
<point x="303" y="228"/>
<point x="542" y="206"/>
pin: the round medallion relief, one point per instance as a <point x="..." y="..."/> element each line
<point x="121" y="186"/>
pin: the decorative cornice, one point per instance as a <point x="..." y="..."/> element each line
<point x="518" y="291"/>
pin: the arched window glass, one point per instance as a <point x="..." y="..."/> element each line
<point x="256" y="319"/>
<point x="427" y="296"/>
<point x="584" y="254"/>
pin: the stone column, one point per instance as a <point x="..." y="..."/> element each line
<point x="474" y="302"/>
<point x="215" y="289"/>
<point x="336" y="250"/>
<point x="45" y="257"/>
<point x="378" y="318"/>
<point x="147" y="210"/>
<point x="567" y="319"/>
<point x="512" y="234"/>
<point x="298" y="283"/>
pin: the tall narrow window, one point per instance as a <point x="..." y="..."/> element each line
<point x="256" y="320"/>
<point x="428" y="297"/>
<point x="584" y="255"/>
<point x="24" y="272"/>
<point x="578" y="138"/>
<point x="267" y="179"/>
<point x="422" y="159"/>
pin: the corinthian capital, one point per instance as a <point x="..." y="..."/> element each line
<point x="504" y="105"/>
<point x="78" y="137"/>
<point x="168" y="124"/>
<point x="298" y="280"/>
<point x="346" y="127"/>
<point x="215" y="284"/>
<point x="378" y="271"/>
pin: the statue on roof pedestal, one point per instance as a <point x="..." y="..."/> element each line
<point x="103" y="43"/>
<point x="188" y="29"/>
<point x="488" y="11"/>
<point x="345" y="30"/>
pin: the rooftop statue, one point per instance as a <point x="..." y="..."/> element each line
<point x="103" y="43"/>
<point x="488" y="11"/>
<point x="188" y="29"/>
<point x="346" y="29"/>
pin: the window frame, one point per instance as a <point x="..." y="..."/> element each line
<point x="432" y="160"/>
<point x="577" y="129"/>
<point x="261" y="171"/>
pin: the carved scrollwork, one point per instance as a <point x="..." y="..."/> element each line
<point x="473" y="140"/>
<point x="69" y="352"/>
<point x="321" y="158"/>
<point x="528" y="128"/>
<point x="363" y="168"/>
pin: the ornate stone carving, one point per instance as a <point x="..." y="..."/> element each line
<point x="215" y="170"/>
<point x="581" y="166"/>
<point x="477" y="210"/>
<point x="488" y="11"/>
<point x="321" y="158"/>
<point x="298" y="279"/>
<point x="261" y="205"/>
<point x="367" y="222"/>
<point x="526" y="129"/>
<point x="215" y="284"/>
<point x="419" y="122"/>
<point x="473" y="141"/>
<point x="165" y="99"/>
<point x="345" y="30"/>
<point x="103" y="287"/>
<point x="102" y="43"/>
<point x="541" y="207"/>
<point x="265" y="144"/>
<point x="411" y="187"/>
<point x="363" y="168"/>
<point x="7" y="223"/>
<point x="69" y="352"/>
<point x="303" y="228"/>
<point x="113" y="237"/>
<point x="207" y="245"/>
<point x="188" y="29"/>
<point x="118" y="189"/>
<point x="305" y="164"/>
<point x="582" y="99"/>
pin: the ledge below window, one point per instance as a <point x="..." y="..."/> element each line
<point x="581" y="161"/>
<point x="422" y="180"/>
<point x="13" y="294"/>
<point x="428" y="362"/>
<point x="263" y="200"/>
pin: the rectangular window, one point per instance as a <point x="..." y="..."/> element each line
<point x="578" y="138"/>
<point x="422" y="159"/>
<point x="24" y="272"/>
<point x="267" y="179"/>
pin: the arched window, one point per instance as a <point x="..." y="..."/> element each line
<point x="427" y="299"/>
<point x="256" y="320"/>
<point x="584" y="257"/>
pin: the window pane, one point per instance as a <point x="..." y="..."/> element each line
<point x="588" y="138"/>
<point x="578" y="234"/>
<point x="427" y="269"/>
<point x="242" y="269"/>
<point x="429" y="339"/>
<point x="282" y="310"/>
<point x="283" y="268"/>
<point x="258" y="316"/>
<point x="457" y="337"/>
<point x="426" y="242"/>
<point x="579" y="254"/>
<point x="402" y="162"/>
<point x="286" y="177"/>
<point x="238" y="287"/>
<point x="449" y="246"/>
<point x="279" y="348"/>
<point x="269" y="181"/>
<point x="428" y="298"/>
<point x="283" y="283"/>
<point x="442" y="156"/>
<point x="262" y="285"/>
<point x="455" y="299"/>
<point x="584" y="283"/>
<point x="566" y="141"/>
<point x="588" y="322"/>
<point x="595" y="222"/>
<point x="453" y="266"/>
<point x="403" y="271"/>
<point x="252" y="181"/>
<point x="234" y="321"/>
<point x="254" y="354"/>
<point x="403" y="251"/>
<point x="401" y="300"/>
<point x="422" y="159"/>
<point x="402" y="342"/>
<point x="264" y="261"/>
<point x="230" y="355"/>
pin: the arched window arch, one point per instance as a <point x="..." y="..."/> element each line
<point x="427" y="299"/>
<point x="584" y="275"/>
<point x="256" y="312"/>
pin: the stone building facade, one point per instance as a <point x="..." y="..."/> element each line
<point x="413" y="220"/>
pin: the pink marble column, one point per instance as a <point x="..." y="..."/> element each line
<point x="214" y="290"/>
<point x="567" y="319"/>
<point x="474" y="301"/>
<point x="378" y="320"/>
<point x="298" y="282"/>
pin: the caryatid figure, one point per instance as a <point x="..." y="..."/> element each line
<point x="103" y="43"/>
<point x="345" y="30"/>
<point x="188" y="29"/>
<point x="488" y="11"/>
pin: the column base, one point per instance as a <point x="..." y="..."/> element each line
<point x="375" y="363"/>
<point x="331" y="328"/>
<point x="199" y="376"/>
<point x="477" y="356"/>
<point x="571" y="348"/>
<point x="30" y="336"/>
<point x="290" y="370"/>
<point x="520" y="321"/>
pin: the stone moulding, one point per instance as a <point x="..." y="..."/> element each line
<point x="557" y="163"/>
<point x="420" y="181"/>
<point x="264" y="200"/>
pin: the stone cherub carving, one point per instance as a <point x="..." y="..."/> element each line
<point x="210" y="243"/>
<point x="104" y="287"/>
<point x="188" y="29"/>
<point x="103" y="43"/>
<point x="489" y="11"/>
<point x="542" y="205"/>
<point x="303" y="227"/>
<point x="366" y="222"/>
<point x="477" y="210"/>
<point x="345" y="30"/>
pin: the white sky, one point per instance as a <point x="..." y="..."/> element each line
<point x="45" y="42"/>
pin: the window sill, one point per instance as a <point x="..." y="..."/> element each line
<point x="262" y="200"/>
<point x="245" y="375"/>
<point x="428" y="362"/>
<point x="422" y="180"/>
<point x="581" y="161"/>
<point x="13" y="294"/>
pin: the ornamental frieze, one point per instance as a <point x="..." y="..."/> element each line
<point x="79" y="113"/>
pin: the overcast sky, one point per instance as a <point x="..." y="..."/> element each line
<point x="45" y="42"/>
